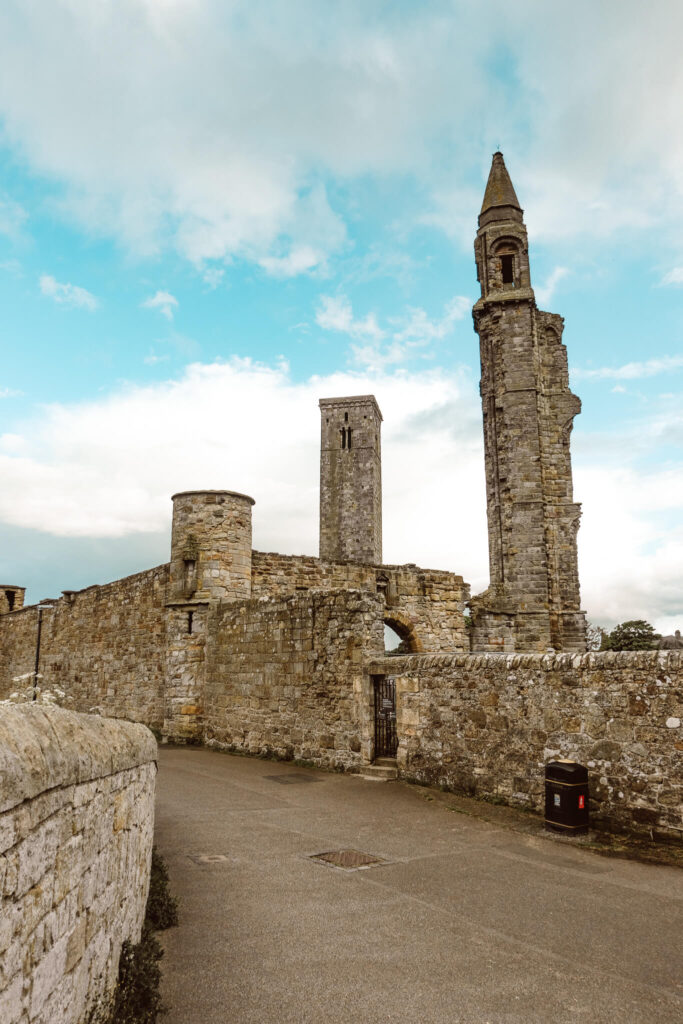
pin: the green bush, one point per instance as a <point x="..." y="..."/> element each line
<point x="162" y="908"/>
<point x="137" y="999"/>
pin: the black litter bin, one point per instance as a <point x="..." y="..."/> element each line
<point x="566" y="797"/>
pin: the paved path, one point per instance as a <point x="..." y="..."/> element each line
<point x="463" y="922"/>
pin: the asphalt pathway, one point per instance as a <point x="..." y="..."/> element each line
<point x="460" y="920"/>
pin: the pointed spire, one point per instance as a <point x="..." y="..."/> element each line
<point x="499" y="190"/>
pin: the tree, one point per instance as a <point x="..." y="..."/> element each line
<point x="595" y="637"/>
<point x="634" y="635"/>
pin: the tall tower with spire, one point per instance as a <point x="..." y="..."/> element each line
<point x="528" y="414"/>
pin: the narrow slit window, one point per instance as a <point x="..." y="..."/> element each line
<point x="9" y="594"/>
<point x="343" y="435"/>
<point x="507" y="267"/>
<point x="190" y="616"/>
<point x="349" y="438"/>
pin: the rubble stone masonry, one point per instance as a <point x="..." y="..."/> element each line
<point x="76" y="824"/>
<point x="104" y="646"/>
<point x="528" y="412"/>
<point x="285" y="676"/>
<point x="487" y="725"/>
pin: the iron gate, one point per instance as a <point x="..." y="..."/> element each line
<point x="386" y="741"/>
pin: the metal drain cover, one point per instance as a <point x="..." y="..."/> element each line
<point x="350" y="860"/>
<point x="288" y="780"/>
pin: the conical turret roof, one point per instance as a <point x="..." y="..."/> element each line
<point x="499" y="190"/>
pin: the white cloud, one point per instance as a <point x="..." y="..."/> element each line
<point x="208" y="126"/>
<point x="213" y="276"/>
<point x="375" y="348"/>
<point x="630" y="371"/>
<point x="630" y="561"/>
<point x="301" y="259"/>
<point x="109" y="467"/>
<point x="544" y="293"/>
<point x="12" y="218"/>
<point x="10" y="393"/>
<point x="67" y="294"/>
<point x="164" y="302"/>
<point x="335" y="313"/>
<point x="675" y="276"/>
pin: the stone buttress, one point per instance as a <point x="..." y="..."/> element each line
<point x="533" y="600"/>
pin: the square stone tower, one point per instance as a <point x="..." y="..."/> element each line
<point x="528" y="414"/>
<point x="351" y="480"/>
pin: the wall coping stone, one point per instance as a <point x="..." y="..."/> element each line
<point x="43" y="747"/>
<point x="406" y="664"/>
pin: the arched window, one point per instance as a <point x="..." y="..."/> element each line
<point x="507" y="268"/>
<point x="398" y="626"/>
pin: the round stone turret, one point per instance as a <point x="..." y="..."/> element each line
<point x="11" y="598"/>
<point x="210" y="546"/>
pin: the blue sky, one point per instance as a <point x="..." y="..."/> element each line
<point x="213" y="213"/>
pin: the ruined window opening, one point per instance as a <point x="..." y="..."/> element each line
<point x="10" y="595"/>
<point x="507" y="267"/>
<point x="343" y="434"/>
<point x="392" y="639"/>
<point x="190" y="616"/>
<point x="349" y="437"/>
<point x="399" y="635"/>
<point x="346" y="417"/>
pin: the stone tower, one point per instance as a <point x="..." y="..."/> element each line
<point x="350" y="480"/>
<point x="528" y="414"/>
<point x="210" y="546"/>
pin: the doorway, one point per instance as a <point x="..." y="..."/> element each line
<point x="386" y="741"/>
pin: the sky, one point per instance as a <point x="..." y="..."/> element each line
<point x="215" y="212"/>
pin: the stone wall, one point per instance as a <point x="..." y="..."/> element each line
<point x="487" y="725"/>
<point x="104" y="646"/>
<point x="286" y="676"/>
<point x="426" y="606"/>
<point x="76" y="823"/>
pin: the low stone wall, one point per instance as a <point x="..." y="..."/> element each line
<point x="285" y="676"/>
<point x="487" y="725"/>
<point x="76" y="824"/>
<point x="104" y="646"/>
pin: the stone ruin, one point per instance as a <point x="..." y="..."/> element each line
<point x="283" y="655"/>
<point x="531" y="605"/>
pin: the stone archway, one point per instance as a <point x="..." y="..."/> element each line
<point x="404" y="626"/>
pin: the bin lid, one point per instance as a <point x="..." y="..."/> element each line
<point x="568" y="772"/>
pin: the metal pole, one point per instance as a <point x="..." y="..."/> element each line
<point x="35" y="671"/>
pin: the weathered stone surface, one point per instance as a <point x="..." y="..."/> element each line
<point x="77" y="813"/>
<point x="634" y="766"/>
<point x="104" y="646"/>
<point x="350" y="480"/>
<point x="285" y="676"/>
<point x="210" y="546"/>
<point x="528" y="412"/>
